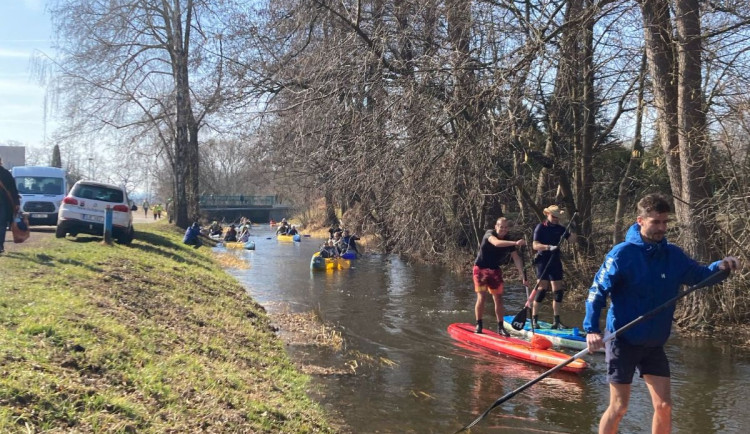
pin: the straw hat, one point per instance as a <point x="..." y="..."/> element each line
<point x="554" y="210"/>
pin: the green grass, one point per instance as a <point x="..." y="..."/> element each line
<point x="154" y="337"/>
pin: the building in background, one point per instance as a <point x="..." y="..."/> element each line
<point x="13" y="156"/>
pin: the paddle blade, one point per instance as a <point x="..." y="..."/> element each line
<point x="540" y="342"/>
<point x="519" y="321"/>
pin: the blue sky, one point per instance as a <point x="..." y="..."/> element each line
<point x="24" y="28"/>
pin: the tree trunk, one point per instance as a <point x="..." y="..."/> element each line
<point x="618" y="233"/>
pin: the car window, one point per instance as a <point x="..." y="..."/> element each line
<point x="39" y="185"/>
<point x="97" y="192"/>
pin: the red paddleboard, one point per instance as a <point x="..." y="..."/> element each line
<point x="513" y="347"/>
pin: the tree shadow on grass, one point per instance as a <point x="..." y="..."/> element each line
<point x="153" y="243"/>
<point x="49" y="261"/>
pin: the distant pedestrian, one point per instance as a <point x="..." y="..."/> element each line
<point x="145" y="208"/>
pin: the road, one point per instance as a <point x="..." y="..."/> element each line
<point x="40" y="235"/>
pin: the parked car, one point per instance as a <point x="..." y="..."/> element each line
<point x="82" y="211"/>
<point x="42" y="189"/>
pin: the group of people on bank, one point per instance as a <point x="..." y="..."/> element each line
<point x="638" y="276"/>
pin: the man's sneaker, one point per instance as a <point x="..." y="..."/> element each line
<point x="501" y="331"/>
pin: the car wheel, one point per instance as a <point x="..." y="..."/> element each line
<point x="126" y="237"/>
<point x="60" y="232"/>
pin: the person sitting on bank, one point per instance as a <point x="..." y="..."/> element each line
<point x="192" y="236"/>
<point x="328" y="250"/>
<point x="231" y="234"/>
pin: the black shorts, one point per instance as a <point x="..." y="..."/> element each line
<point x="553" y="273"/>
<point x="622" y="359"/>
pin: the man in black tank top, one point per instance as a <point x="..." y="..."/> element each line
<point x="494" y="251"/>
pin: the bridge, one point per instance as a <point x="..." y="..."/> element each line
<point x="231" y="208"/>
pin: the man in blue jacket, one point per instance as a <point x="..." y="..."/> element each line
<point x="639" y="275"/>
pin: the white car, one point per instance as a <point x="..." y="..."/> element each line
<point x="82" y="211"/>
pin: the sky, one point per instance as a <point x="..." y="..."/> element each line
<point x="24" y="29"/>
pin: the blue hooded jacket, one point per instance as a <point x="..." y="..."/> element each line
<point x="639" y="277"/>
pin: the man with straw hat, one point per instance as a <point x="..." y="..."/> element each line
<point x="548" y="236"/>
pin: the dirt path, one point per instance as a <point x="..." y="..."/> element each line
<point x="41" y="235"/>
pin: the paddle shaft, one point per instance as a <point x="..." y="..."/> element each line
<point x="709" y="281"/>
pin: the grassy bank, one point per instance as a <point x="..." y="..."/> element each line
<point x="154" y="337"/>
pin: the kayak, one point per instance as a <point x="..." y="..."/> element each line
<point x="568" y="338"/>
<point x="320" y="263"/>
<point x="295" y="237"/>
<point x="250" y="245"/>
<point x="513" y="347"/>
<point x="349" y="255"/>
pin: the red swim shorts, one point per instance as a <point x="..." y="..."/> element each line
<point x="487" y="279"/>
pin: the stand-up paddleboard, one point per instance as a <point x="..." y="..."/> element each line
<point x="568" y="337"/>
<point x="513" y="347"/>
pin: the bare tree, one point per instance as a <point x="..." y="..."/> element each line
<point x="147" y="68"/>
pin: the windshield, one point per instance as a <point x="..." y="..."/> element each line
<point x="39" y="185"/>
<point x="98" y="192"/>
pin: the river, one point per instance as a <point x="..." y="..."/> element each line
<point x="409" y="375"/>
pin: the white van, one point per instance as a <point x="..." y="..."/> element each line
<point x="42" y="189"/>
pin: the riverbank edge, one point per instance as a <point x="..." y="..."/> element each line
<point x="154" y="337"/>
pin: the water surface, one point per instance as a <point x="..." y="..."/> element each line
<point x="416" y="378"/>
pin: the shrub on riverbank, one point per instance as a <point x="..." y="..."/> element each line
<point x="149" y="338"/>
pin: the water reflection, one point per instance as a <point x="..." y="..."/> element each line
<point x="416" y="378"/>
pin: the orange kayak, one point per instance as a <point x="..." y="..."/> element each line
<point x="513" y="347"/>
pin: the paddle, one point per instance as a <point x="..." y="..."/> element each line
<point x="521" y="316"/>
<point x="709" y="281"/>
<point x="519" y="321"/>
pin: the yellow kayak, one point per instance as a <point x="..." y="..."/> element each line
<point x="249" y="245"/>
<point x="319" y="263"/>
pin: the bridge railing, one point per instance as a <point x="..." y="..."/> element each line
<point x="214" y="201"/>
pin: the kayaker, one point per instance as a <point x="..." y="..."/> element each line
<point x="494" y="251"/>
<point x="547" y="238"/>
<point x="192" y="235"/>
<point x="640" y="274"/>
<point x="283" y="228"/>
<point x="292" y="230"/>
<point x="328" y="250"/>
<point x="337" y="240"/>
<point x="215" y="229"/>
<point x="244" y="235"/>
<point x="348" y="242"/>
<point x="231" y="234"/>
